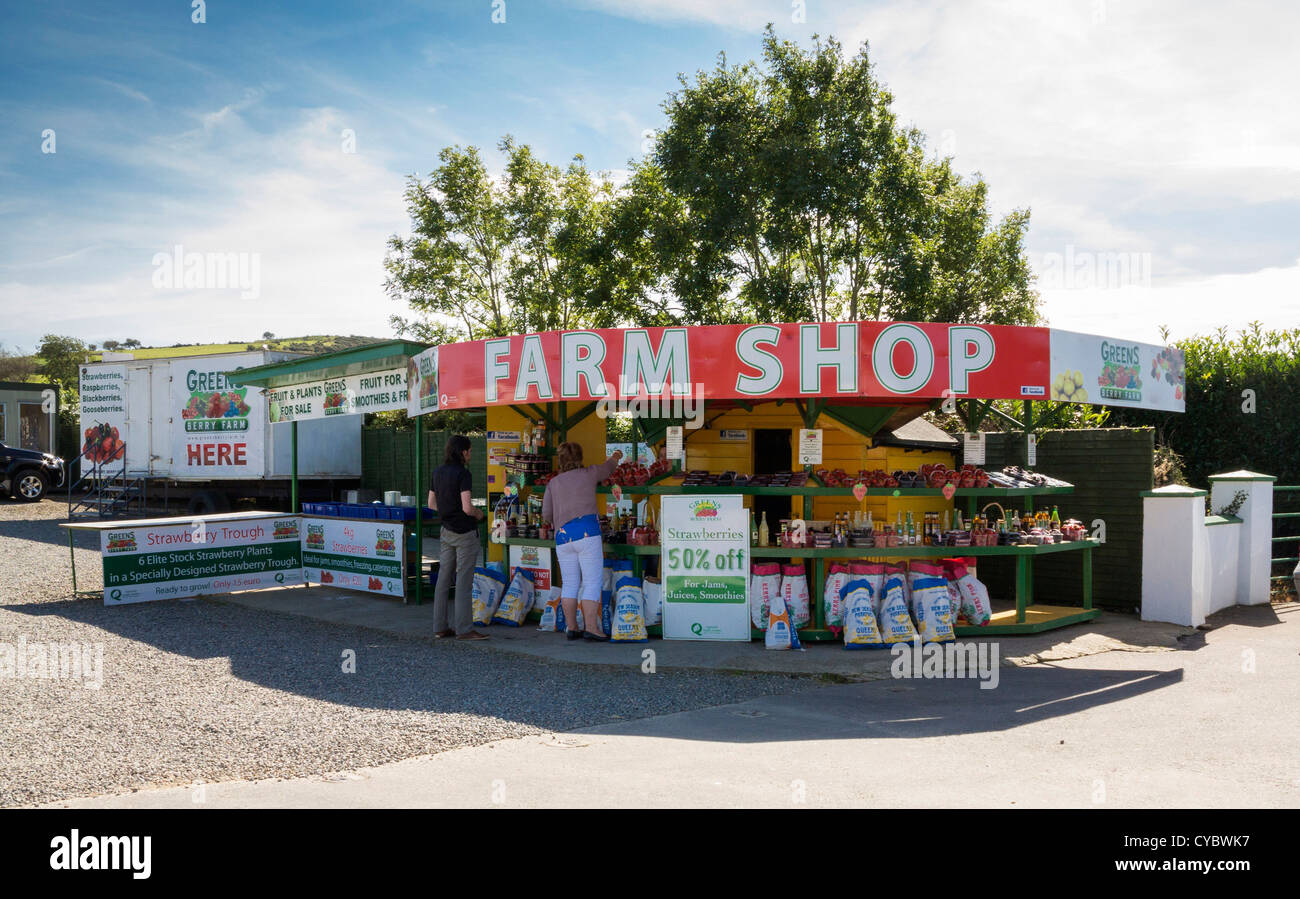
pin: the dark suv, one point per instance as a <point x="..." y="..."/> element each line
<point x="29" y="474"/>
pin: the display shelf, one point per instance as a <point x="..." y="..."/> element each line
<point x="850" y="552"/>
<point x="814" y="490"/>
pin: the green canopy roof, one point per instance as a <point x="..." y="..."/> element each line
<point x="360" y="360"/>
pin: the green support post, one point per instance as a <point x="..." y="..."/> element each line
<point x="1024" y="580"/>
<point x="293" y="483"/>
<point x="419" y="509"/>
<point x="1087" y="577"/>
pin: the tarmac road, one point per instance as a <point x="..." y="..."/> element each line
<point x="1209" y="725"/>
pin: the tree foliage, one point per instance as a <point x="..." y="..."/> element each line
<point x="786" y="192"/>
<point x="792" y="193"/>
<point x="1240" y="397"/>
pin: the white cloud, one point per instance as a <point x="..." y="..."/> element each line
<point x="1195" y="307"/>
<point x="317" y="217"/>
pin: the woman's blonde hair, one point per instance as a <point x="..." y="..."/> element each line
<point x="570" y="456"/>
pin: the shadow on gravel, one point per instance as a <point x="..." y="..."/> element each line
<point x="910" y="709"/>
<point x="307" y="658"/>
<point x="304" y="657"/>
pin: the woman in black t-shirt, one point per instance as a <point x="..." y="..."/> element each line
<point x="449" y="495"/>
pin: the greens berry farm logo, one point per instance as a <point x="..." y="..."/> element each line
<point x="316" y="536"/>
<point x="336" y="398"/>
<point x="704" y="508"/>
<point x="529" y="557"/>
<point x="386" y="543"/>
<point x="121" y="542"/>
<point x="1120" y="377"/>
<point x="285" y="530"/>
<point x="214" y="403"/>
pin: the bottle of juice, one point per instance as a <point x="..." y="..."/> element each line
<point x="1056" y="519"/>
<point x="753" y="530"/>
<point x="871" y="525"/>
<point x="764" y="536"/>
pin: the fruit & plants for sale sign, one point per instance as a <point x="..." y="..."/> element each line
<point x="705" y="544"/>
<point x="378" y="391"/>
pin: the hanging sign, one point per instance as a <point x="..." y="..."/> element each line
<point x="844" y="362"/>
<point x="705" y="546"/>
<point x="972" y="446"/>
<point x="422" y="379"/>
<point x="378" y="391"/>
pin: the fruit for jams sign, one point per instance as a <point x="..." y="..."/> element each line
<point x="881" y="361"/>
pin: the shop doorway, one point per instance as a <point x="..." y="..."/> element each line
<point x="772" y="453"/>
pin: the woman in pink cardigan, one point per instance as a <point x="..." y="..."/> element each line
<point x="570" y="506"/>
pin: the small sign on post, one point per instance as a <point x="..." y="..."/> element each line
<point x="810" y="446"/>
<point x="673" y="448"/>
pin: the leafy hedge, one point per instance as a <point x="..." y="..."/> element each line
<point x="1219" y="431"/>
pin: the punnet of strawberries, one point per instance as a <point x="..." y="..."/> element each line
<point x="633" y="474"/>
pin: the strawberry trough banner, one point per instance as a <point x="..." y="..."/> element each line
<point x="862" y="362"/>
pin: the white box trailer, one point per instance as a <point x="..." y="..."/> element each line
<point x="179" y="420"/>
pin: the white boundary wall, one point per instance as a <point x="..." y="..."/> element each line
<point x="1194" y="565"/>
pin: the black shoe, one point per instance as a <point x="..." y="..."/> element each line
<point x="573" y="635"/>
<point x="594" y="638"/>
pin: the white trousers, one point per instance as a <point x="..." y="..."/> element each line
<point x="582" y="564"/>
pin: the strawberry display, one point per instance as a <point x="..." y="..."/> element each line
<point x="633" y="474"/>
<point x="103" y="443"/>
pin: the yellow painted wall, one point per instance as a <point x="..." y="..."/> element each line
<point x="705" y="449"/>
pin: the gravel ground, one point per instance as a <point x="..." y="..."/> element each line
<point x="204" y="691"/>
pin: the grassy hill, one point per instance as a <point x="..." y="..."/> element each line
<point x="319" y="343"/>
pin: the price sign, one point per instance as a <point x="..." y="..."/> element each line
<point x="705" y="542"/>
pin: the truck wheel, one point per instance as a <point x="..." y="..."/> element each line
<point x="29" y="485"/>
<point x="209" y="502"/>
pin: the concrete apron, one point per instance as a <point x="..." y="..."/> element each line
<point x="1108" y="633"/>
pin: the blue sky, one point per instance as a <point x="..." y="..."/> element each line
<point x="1162" y="136"/>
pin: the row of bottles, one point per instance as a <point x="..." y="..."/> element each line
<point x="929" y="532"/>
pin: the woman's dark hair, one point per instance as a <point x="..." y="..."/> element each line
<point x="457" y="446"/>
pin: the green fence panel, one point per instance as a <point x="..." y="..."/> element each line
<point x="1109" y="467"/>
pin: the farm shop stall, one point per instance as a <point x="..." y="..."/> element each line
<point x="182" y="423"/>
<point x="732" y="400"/>
<point x="358" y="547"/>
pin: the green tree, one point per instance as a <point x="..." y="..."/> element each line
<point x="526" y="252"/>
<point x="796" y="195"/>
<point x="60" y="359"/>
